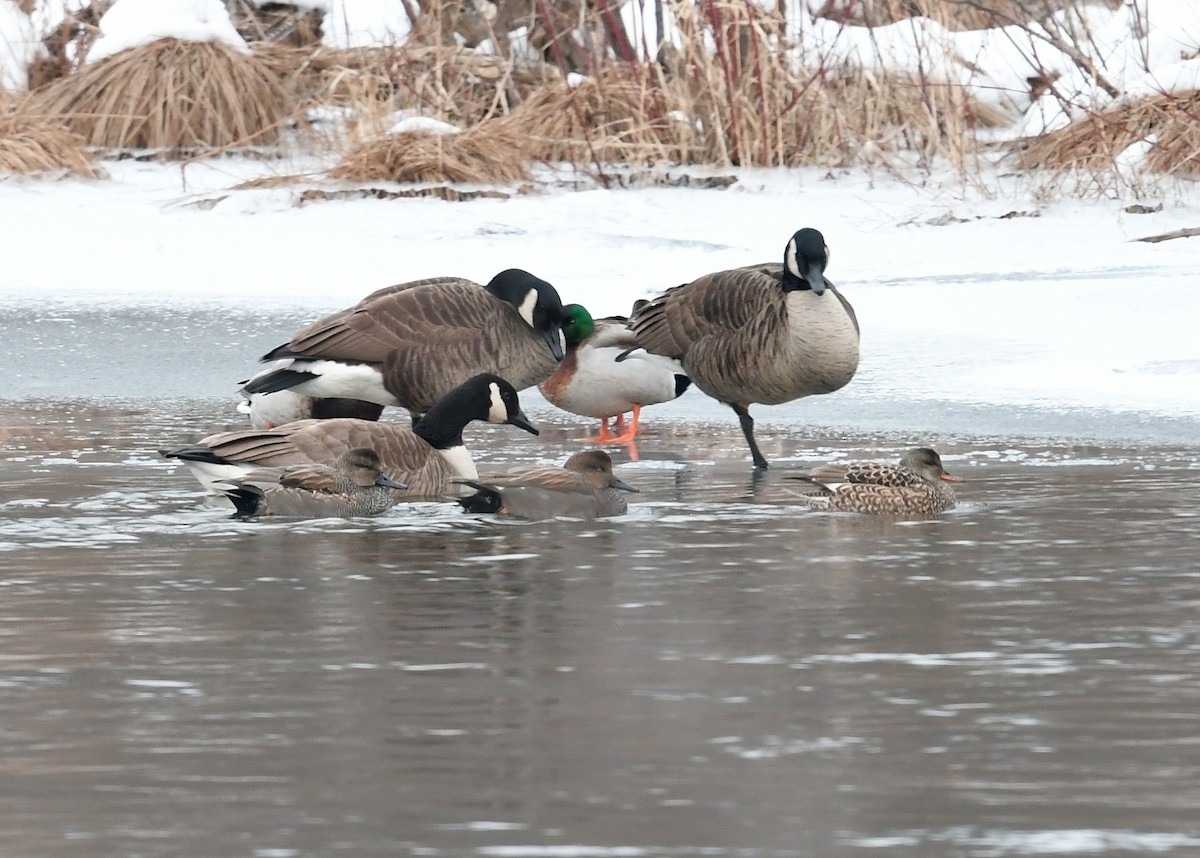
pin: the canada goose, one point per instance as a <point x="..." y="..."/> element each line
<point x="410" y="344"/>
<point x="268" y="410"/>
<point x="591" y="382"/>
<point x="917" y="486"/>
<point x="425" y="457"/>
<point x="353" y="485"/>
<point x="765" y="333"/>
<point x="584" y="487"/>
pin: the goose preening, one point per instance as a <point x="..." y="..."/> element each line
<point x="591" y="382"/>
<point x="584" y="487"/>
<point x="268" y="410"/>
<point x="354" y="485"/>
<point x="425" y="457"/>
<point x="916" y="486"/>
<point x="410" y="344"/>
<point x="766" y="333"/>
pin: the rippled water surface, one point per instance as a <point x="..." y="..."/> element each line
<point x="720" y="672"/>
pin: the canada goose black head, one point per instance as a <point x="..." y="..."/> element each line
<point x="481" y="397"/>
<point x="536" y="300"/>
<point x="804" y="262"/>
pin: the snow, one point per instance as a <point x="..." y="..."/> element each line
<point x="19" y="46"/>
<point x="133" y="23"/>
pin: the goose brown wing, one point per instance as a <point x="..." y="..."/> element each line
<point x="713" y="305"/>
<point x="443" y="310"/>
<point x="547" y="478"/>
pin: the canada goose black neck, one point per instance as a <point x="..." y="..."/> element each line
<point x="804" y="261"/>
<point x="482" y="397"/>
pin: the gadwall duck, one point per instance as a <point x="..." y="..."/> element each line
<point x="591" y="382"/>
<point x="915" y="487"/>
<point x="425" y="457"/>
<point x="584" y="487"/>
<point x="766" y="333"/>
<point x="354" y="485"/>
<point x="410" y="344"/>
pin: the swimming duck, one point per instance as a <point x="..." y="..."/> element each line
<point x="591" y="382"/>
<point x="917" y="486"/>
<point x="354" y="485"/>
<point x="584" y="487"/>
<point x="410" y="344"/>
<point x="425" y="457"/>
<point x="766" y="333"/>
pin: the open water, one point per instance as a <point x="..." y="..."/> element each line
<point x="721" y="672"/>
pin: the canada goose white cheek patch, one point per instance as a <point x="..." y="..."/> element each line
<point x="527" y="306"/>
<point x="497" y="410"/>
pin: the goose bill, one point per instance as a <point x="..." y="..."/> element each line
<point x="522" y="422"/>
<point x="815" y="279"/>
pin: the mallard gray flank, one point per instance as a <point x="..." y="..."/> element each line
<point x="915" y="487"/>
<point x="410" y="344"/>
<point x="584" y="487"/>
<point x="354" y="485"/>
<point x="425" y="457"/>
<point x="592" y="382"/>
<point x="766" y="333"/>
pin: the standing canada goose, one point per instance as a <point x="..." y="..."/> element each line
<point x="410" y="344"/>
<point x="353" y="485"/>
<point x="766" y="333"/>
<point x="591" y="382"/>
<point x="917" y="486"/>
<point x="584" y="487"/>
<point x="425" y="457"/>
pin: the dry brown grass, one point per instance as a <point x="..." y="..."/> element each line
<point x="1089" y="146"/>
<point x="31" y="143"/>
<point x="489" y="153"/>
<point x="172" y="97"/>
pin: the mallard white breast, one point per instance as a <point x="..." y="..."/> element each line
<point x="915" y="487"/>
<point x="425" y="457"/>
<point x="354" y="485"/>
<point x="412" y="343"/>
<point x="766" y="333"/>
<point x="591" y="381"/>
<point x="584" y="487"/>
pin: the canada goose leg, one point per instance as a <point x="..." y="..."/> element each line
<point x="630" y="433"/>
<point x="748" y="430"/>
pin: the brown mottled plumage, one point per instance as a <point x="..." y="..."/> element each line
<point x="917" y="486"/>
<point x="353" y="485"/>
<point x="410" y="344"/>
<point x="584" y="487"/>
<point x="764" y="333"/>
<point x="425" y="457"/>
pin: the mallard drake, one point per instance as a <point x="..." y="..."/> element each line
<point x="917" y="486"/>
<point x="591" y="382"/>
<point x="425" y="457"/>
<point x="354" y="485"/>
<point x="584" y="487"/>
<point x="766" y="333"/>
<point x="412" y="343"/>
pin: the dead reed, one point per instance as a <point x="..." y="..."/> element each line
<point x="32" y="143"/>
<point x="491" y="152"/>
<point x="1091" y="146"/>
<point x="172" y="97"/>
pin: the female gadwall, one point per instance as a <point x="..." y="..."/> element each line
<point x="584" y="487"/>
<point x="917" y="486"/>
<point x="765" y="333"/>
<point x="353" y="485"/>
<point x="591" y="382"/>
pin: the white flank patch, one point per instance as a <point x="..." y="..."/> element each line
<point x="215" y="477"/>
<point x="497" y="411"/>
<point x="460" y="462"/>
<point x="350" y="380"/>
<point x="526" y="308"/>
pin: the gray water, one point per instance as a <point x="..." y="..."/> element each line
<point x="721" y="672"/>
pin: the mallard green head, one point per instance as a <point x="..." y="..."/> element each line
<point x="578" y="324"/>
